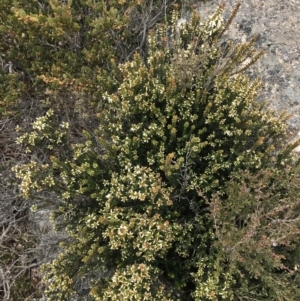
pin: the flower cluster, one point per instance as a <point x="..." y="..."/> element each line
<point x="182" y="121"/>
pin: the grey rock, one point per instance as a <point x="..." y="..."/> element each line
<point x="277" y="26"/>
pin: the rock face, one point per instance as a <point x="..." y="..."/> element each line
<point x="277" y="26"/>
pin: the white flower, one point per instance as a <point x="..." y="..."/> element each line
<point x="122" y="231"/>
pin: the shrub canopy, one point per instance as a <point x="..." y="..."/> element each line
<point x="184" y="187"/>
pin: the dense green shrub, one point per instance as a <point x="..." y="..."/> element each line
<point x="61" y="46"/>
<point x="60" y="55"/>
<point x="182" y="166"/>
<point x="257" y="231"/>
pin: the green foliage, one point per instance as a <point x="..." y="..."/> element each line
<point x="145" y="196"/>
<point x="54" y="45"/>
<point x="56" y="56"/>
<point x="258" y="237"/>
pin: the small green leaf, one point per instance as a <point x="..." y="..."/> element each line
<point x="22" y="13"/>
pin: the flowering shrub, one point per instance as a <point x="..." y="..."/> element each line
<point x="142" y="195"/>
<point x="56" y="56"/>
